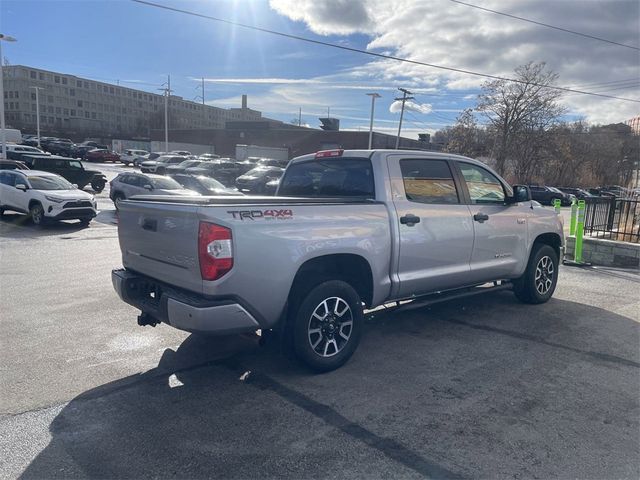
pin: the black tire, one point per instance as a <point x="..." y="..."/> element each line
<point x="539" y="280"/>
<point x="97" y="185"/>
<point x="36" y="214"/>
<point x="325" y="333"/>
<point x="117" y="197"/>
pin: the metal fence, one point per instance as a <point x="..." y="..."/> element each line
<point x="613" y="218"/>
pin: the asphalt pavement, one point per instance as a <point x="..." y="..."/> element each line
<point x="483" y="387"/>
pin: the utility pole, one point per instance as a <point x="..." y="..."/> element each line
<point x="37" y="89"/>
<point x="5" y="38"/>
<point x="404" y="98"/>
<point x="373" y="102"/>
<point x="167" y="93"/>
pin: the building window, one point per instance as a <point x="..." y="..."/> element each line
<point x="86" y="115"/>
<point x="64" y="81"/>
<point x="34" y="107"/>
<point x="111" y="90"/>
<point x="65" y="111"/>
<point x="40" y="76"/>
<point x="50" y="119"/>
<point x="79" y="83"/>
<point x="56" y="79"/>
<point x="73" y="112"/>
<point x="79" y="104"/>
<point x="72" y="92"/>
<point x="32" y="74"/>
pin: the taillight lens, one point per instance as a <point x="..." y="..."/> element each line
<point x="215" y="250"/>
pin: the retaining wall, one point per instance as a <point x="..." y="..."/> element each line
<point x="610" y="253"/>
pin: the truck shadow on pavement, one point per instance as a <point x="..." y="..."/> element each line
<point x="480" y="388"/>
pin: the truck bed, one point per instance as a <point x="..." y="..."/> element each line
<point x="271" y="237"/>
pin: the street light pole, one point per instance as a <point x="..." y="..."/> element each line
<point x="5" y="38"/>
<point x="167" y="92"/>
<point x="37" y="89"/>
<point x="373" y="102"/>
<point x="404" y="98"/>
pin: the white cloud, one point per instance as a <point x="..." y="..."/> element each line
<point x="396" y="106"/>
<point x="453" y="35"/>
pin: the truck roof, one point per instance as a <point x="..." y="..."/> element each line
<point x="370" y="153"/>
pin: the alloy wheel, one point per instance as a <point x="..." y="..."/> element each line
<point x="330" y="326"/>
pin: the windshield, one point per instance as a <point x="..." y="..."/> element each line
<point x="49" y="182"/>
<point x="189" y="163"/>
<point x="210" y="183"/>
<point x="260" y="171"/>
<point x="340" y="177"/>
<point x="165" y="183"/>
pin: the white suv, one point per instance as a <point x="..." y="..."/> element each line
<point x="134" y="156"/>
<point x="44" y="196"/>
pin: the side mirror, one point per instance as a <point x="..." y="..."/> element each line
<point x="521" y="193"/>
<point x="147" y="186"/>
<point x="21" y="186"/>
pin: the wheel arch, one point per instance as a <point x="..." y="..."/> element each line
<point x="549" y="238"/>
<point x="349" y="267"/>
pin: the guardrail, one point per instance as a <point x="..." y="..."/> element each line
<point x="613" y="218"/>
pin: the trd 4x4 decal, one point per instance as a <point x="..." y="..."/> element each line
<point x="271" y="214"/>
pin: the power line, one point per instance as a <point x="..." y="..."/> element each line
<point x="566" y="30"/>
<point x="374" y="54"/>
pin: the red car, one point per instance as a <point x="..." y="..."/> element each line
<point x="101" y="155"/>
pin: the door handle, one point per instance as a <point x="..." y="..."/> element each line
<point x="409" y="220"/>
<point x="480" y="217"/>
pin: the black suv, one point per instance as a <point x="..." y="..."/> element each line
<point x="72" y="170"/>
<point x="546" y="195"/>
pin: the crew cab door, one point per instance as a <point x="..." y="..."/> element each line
<point x="434" y="225"/>
<point x="500" y="228"/>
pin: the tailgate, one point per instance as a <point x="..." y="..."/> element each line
<point x="161" y="240"/>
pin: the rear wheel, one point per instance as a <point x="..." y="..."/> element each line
<point x="539" y="280"/>
<point x="327" y="325"/>
<point x="97" y="185"/>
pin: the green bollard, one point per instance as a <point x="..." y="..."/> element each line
<point x="557" y="204"/>
<point x="574" y="215"/>
<point x="577" y="255"/>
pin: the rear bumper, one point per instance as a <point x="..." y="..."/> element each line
<point x="181" y="309"/>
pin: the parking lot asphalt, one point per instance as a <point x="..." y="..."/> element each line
<point x="482" y="387"/>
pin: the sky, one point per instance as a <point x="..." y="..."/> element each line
<point x="139" y="45"/>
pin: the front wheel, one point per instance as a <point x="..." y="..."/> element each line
<point x="117" y="198"/>
<point x="541" y="276"/>
<point x="36" y="212"/>
<point x="327" y="325"/>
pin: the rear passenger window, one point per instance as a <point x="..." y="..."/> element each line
<point x="428" y="181"/>
<point x="7" y="178"/>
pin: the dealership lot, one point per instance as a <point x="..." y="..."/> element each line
<point x="484" y="387"/>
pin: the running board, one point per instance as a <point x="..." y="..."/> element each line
<point x="433" y="298"/>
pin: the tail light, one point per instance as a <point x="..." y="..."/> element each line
<point x="215" y="250"/>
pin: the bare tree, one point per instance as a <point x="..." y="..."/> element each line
<point x="464" y="136"/>
<point x="518" y="111"/>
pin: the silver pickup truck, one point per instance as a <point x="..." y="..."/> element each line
<point x="348" y="230"/>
